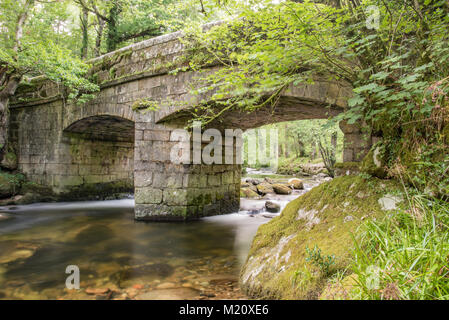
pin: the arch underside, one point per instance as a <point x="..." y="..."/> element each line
<point x="101" y="150"/>
<point x="104" y="128"/>
<point x="286" y="109"/>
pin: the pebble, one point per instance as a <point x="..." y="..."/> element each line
<point x="166" y="285"/>
<point x="96" y="291"/>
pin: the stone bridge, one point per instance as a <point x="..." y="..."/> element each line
<point x="105" y="147"/>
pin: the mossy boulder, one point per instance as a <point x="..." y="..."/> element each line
<point x="248" y="193"/>
<point x="373" y="163"/>
<point x="325" y="217"/>
<point x="248" y="185"/>
<point x="264" y="188"/>
<point x="272" y="207"/>
<point x="281" y="188"/>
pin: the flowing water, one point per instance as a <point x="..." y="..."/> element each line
<point x="120" y="258"/>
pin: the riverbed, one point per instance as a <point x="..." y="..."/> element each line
<point x="120" y="258"/>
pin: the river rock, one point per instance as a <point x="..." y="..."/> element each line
<point x="248" y="193"/>
<point x="97" y="291"/>
<point x="296" y="183"/>
<point x="268" y="180"/>
<point x="272" y="207"/>
<point x="253" y="181"/>
<point x="264" y="188"/>
<point x="169" y="294"/>
<point x="166" y="285"/>
<point x="281" y="188"/>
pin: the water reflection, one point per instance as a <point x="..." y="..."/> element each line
<point x="112" y="250"/>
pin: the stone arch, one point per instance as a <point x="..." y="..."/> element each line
<point x="73" y="113"/>
<point x="318" y="100"/>
<point x="103" y="127"/>
<point x="100" y="150"/>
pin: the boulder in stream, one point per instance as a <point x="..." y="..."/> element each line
<point x="281" y="188"/>
<point x="248" y="193"/>
<point x="296" y="184"/>
<point x="273" y="207"/>
<point x="264" y="188"/>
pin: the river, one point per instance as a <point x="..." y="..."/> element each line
<point x="120" y="258"/>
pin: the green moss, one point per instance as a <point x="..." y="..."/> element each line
<point x="9" y="161"/>
<point x="276" y="265"/>
<point x="248" y="193"/>
<point x="112" y="72"/>
<point x="97" y="191"/>
<point x="10" y="184"/>
<point x="342" y="168"/>
<point x="347" y="165"/>
<point x="373" y="163"/>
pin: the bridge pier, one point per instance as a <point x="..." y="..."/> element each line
<point x="168" y="191"/>
<point x="357" y="141"/>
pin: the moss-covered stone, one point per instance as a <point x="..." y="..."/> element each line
<point x="296" y="184"/>
<point x="281" y="188"/>
<point x="264" y="188"/>
<point x="97" y="191"/>
<point x="248" y="193"/>
<point x="346" y="168"/>
<point x="373" y="164"/>
<point x="324" y="217"/>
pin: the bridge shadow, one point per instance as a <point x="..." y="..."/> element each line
<point x="100" y="149"/>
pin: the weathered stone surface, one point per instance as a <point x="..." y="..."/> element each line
<point x="264" y="188"/>
<point x="148" y="195"/>
<point x="248" y="193"/>
<point x="296" y="183"/>
<point x="389" y="202"/>
<point x="270" y="206"/>
<point x="373" y="163"/>
<point x="281" y="189"/>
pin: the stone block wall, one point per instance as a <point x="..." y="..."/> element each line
<point x="168" y="191"/>
<point x="74" y="167"/>
<point x="357" y="141"/>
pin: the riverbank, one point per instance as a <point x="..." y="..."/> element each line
<point x="308" y="247"/>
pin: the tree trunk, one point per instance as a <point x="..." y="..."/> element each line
<point x="334" y="143"/>
<point x="99" y="37"/>
<point x="85" y="30"/>
<point x="313" y="153"/>
<point x="112" y="37"/>
<point x="286" y="151"/>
